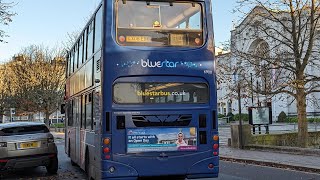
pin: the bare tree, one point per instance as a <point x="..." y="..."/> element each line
<point x="279" y="41"/>
<point x="37" y="77"/>
<point x="71" y="40"/>
<point x="5" y="16"/>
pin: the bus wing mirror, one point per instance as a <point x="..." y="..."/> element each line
<point x="62" y="110"/>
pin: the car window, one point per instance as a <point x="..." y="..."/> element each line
<point x="24" y="130"/>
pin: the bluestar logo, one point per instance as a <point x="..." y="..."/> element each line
<point x="159" y="64"/>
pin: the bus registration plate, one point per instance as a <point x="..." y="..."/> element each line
<point x="161" y="139"/>
<point x="138" y="39"/>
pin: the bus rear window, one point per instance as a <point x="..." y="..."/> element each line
<point x="160" y="93"/>
<point x="147" y="23"/>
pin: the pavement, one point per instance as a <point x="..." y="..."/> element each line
<point x="302" y="161"/>
<point x="57" y="135"/>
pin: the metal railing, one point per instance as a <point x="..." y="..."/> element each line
<point x="280" y="128"/>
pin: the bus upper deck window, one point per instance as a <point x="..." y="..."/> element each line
<point x="159" y="23"/>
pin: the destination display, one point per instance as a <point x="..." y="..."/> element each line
<point x="161" y="139"/>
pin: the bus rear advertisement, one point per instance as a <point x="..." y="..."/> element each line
<point x="141" y="92"/>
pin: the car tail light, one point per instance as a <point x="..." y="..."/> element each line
<point x="122" y="39"/>
<point x="3" y="160"/>
<point x="52" y="155"/>
<point x="215" y="153"/>
<point x="3" y="144"/>
<point x="197" y="41"/>
<point x="50" y="140"/>
<point x="215" y="138"/>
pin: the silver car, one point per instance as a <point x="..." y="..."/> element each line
<point x="27" y="144"/>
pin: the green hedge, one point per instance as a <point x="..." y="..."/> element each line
<point x="244" y="117"/>
<point x="221" y="116"/>
<point x="58" y="125"/>
<point x="295" y="120"/>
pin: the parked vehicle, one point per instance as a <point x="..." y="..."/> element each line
<point x="27" y="144"/>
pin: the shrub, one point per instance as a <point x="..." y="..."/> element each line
<point x="291" y="120"/>
<point x="231" y="116"/>
<point x="314" y="120"/>
<point x="295" y="120"/>
<point x="282" y="117"/>
<point x="221" y="116"/>
<point x="58" y="125"/>
<point x="244" y="117"/>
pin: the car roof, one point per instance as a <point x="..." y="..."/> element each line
<point x="19" y="124"/>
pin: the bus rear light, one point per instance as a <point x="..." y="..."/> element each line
<point x="106" y="141"/>
<point x="215" y="153"/>
<point x="210" y="166"/>
<point x="215" y="137"/>
<point x="108" y="156"/>
<point x="122" y="39"/>
<point x="106" y="150"/>
<point x="215" y="146"/>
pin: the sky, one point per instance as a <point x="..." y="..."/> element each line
<point x="47" y="22"/>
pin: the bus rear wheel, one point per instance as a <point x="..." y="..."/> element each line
<point x="69" y="153"/>
<point x="87" y="166"/>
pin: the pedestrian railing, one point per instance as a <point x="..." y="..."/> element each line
<point x="280" y="128"/>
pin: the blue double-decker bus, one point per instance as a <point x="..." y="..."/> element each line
<point x="141" y="91"/>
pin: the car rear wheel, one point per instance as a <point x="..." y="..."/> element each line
<point x="52" y="168"/>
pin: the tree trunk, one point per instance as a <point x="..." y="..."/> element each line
<point x="302" y="119"/>
<point x="46" y="121"/>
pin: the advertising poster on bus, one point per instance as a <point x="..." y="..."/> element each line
<point x="161" y="139"/>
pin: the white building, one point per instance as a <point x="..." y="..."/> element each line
<point x="246" y="39"/>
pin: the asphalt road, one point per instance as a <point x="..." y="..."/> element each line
<point x="228" y="171"/>
<point x="66" y="170"/>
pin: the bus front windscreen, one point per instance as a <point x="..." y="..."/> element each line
<point x="147" y="23"/>
<point x="160" y="93"/>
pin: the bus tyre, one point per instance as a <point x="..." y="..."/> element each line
<point x="69" y="154"/>
<point x="52" y="168"/>
<point x="87" y="166"/>
<point x="73" y="163"/>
